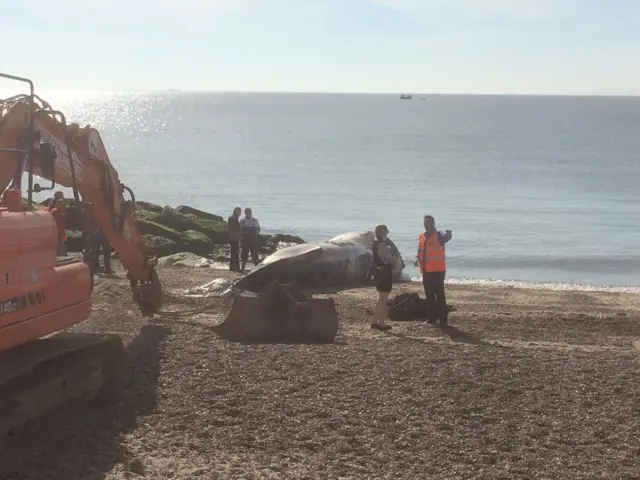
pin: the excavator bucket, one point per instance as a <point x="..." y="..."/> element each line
<point x="281" y="314"/>
<point x="149" y="296"/>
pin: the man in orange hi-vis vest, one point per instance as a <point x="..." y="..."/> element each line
<point x="433" y="267"/>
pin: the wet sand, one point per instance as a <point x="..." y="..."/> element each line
<point x="522" y="384"/>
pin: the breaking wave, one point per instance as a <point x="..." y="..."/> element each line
<point x="555" y="286"/>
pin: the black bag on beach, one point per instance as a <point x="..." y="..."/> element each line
<point x="406" y="307"/>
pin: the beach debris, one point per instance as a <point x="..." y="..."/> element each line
<point x="186" y="259"/>
<point x="406" y="307"/>
<point x="281" y="314"/>
<point x="218" y="287"/>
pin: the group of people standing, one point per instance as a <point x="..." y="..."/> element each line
<point x="244" y="240"/>
<point x="431" y="261"/>
<point x="243" y="234"/>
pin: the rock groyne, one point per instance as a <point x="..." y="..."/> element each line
<point x="183" y="229"/>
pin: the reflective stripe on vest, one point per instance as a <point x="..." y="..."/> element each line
<point x="431" y="254"/>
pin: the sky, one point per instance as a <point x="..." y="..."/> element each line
<point x="574" y="47"/>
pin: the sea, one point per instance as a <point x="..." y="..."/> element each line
<point x="539" y="191"/>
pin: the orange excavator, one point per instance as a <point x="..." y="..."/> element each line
<point x="43" y="367"/>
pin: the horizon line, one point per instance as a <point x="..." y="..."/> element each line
<point x="319" y="92"/>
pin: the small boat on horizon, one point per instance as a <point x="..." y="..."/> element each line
<point x="405" y="96"/>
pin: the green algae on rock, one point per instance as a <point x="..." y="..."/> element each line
<point x="167" y="231"/>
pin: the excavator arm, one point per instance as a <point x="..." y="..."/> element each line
<point x="37" y="140"/>
<point x="44" y="367"/>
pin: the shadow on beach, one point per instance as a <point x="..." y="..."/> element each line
<point x="455" y="334"/>
<point x="93" y="432"/>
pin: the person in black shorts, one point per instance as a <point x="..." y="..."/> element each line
<point x="384" y="262"/>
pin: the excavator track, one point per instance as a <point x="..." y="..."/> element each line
<point x="41" y="380"/>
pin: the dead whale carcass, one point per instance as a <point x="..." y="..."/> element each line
<point x="344" y="259"/>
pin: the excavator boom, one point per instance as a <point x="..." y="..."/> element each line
<point x="36" y="139"/>
<point x="42" y="368"/>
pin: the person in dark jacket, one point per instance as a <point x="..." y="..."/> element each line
<point x="56" y="208"/>
<point x="235" y="233"/>
<point x="101" y="243"/>
<point x="384" y="262"/>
